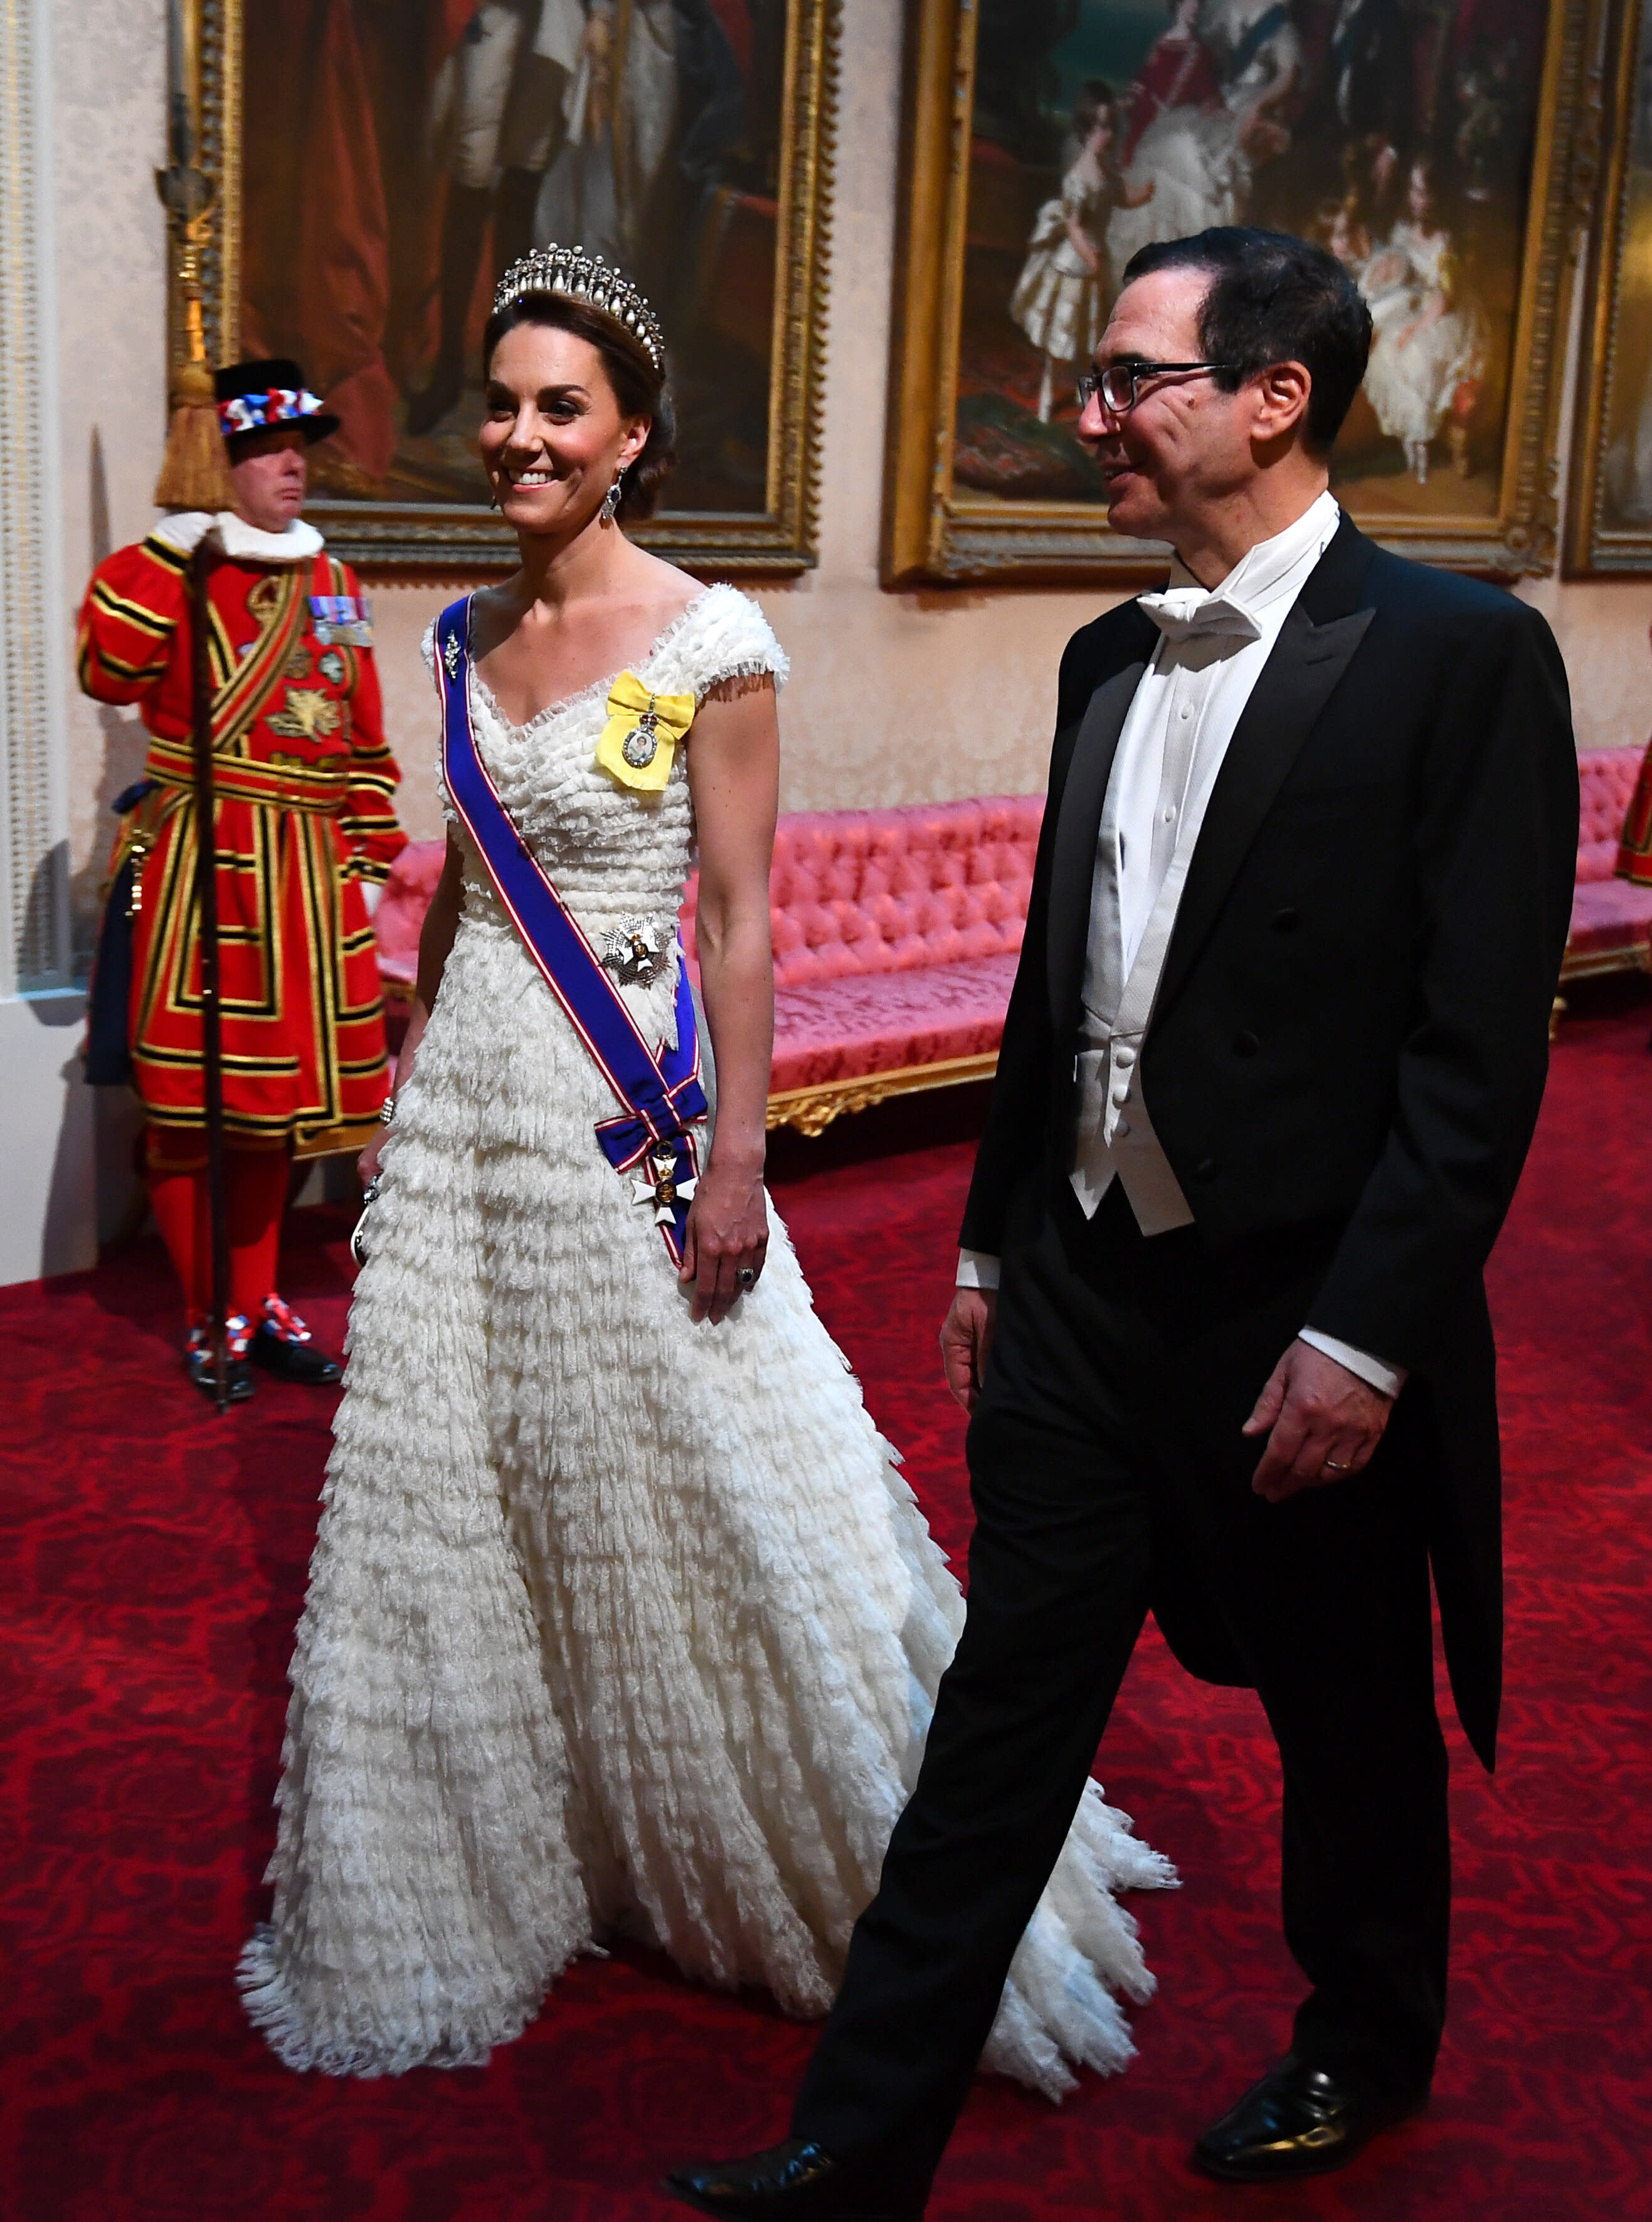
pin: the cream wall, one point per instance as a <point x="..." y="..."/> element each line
<point x="893" y="697"/>
<point x="109" y="92"/>
<point x="109" y="60"/>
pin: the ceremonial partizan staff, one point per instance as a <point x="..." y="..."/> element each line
<point x="305" y="832"/>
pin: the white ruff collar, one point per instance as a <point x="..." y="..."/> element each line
<point x="244" y="542"/>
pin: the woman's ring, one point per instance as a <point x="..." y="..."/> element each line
<point x="1335" y="1465"/>
<point x="747" y="1277"/>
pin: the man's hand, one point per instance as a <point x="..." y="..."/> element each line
<point x="1321" y="1423"/>
<point x="965" y="1339"/>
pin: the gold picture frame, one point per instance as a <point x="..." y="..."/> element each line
<point x="1609" y="522"/>
<point x="775" y="534"/>
<point x="937" y="530"/>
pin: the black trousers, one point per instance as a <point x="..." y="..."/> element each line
<point x="1109" y="1476"/>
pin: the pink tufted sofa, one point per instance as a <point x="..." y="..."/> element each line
<point x="1612" y="920"/>
<point x="895" y="936"/>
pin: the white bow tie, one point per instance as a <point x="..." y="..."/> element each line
<point x="1193" y="613"/>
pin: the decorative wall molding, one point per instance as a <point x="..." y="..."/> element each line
<point x="35" y="945"/>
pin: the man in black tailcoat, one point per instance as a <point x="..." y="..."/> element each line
<point x="1270" y="1071"/>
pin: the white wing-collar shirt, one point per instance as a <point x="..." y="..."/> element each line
<point x="1212" y="647"/>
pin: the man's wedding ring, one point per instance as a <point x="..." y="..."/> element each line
<point x="1336" y="1465"/>
<point x="747" y="1277"/>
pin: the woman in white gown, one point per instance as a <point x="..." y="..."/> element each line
<point x="1197" y="153"/>
<point x="620" y="1620"/>
<point x="1065" y="288"/>
<point x="1428" y="344"/>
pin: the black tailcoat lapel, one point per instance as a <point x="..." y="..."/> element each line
<point x="1072" y="862"/>
<point x="1313" y="650"/>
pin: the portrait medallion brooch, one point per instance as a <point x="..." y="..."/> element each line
<point x="640" y="745"/>
<point x="634" y="950"/>
<point x="639" y="741"/>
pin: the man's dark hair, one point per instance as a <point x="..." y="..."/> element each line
<point x="1274" y="298"/>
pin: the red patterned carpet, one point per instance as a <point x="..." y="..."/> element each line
<point x="152" y="1562"/>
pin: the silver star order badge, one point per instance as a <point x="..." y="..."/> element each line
<point x="635" y="950"/>
<point x="664" y="1191"/>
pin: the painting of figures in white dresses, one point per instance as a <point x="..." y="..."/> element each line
<point x="1414" y="138"/>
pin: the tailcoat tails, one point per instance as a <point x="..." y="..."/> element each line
<point x="1377" y="901"/>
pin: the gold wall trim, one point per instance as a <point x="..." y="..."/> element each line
<point x="1595" y="549"/>
<point x="35" y="933"/>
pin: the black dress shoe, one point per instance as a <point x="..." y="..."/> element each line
<point x="282" y="1345"/>
<point x="799" y="2180"/>
<point x="1298" y="2121"/>
<point x="197" y="1364"/>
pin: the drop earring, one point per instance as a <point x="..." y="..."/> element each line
<point x="611" y="499"/>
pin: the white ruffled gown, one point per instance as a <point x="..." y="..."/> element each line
<point x="616" y="1623"/>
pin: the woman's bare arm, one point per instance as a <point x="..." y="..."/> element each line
<point x="435" y="940"/>
<point x="734" y="778"/>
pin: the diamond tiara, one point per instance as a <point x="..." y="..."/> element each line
<point x="574" y="275"/>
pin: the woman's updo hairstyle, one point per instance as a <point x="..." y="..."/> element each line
<point x="639" y="387"/>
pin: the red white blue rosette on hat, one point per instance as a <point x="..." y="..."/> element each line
<point x="265" y="395"/>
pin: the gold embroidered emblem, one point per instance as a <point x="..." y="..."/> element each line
<point x="264" y="599"/>
<point x="307" y="715"/>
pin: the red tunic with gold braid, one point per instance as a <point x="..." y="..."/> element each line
<point x="1635" y="848"/>
<point x="304" y="785"/>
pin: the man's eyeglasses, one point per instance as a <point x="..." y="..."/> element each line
<point x="1120" y="384"/>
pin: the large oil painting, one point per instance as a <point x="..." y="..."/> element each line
<point x="381" y="162"/>
<point x="1610" y="529"/>
<point x="1422" y="141"/>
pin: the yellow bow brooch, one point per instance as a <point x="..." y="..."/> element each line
<point x="641" y="737"/>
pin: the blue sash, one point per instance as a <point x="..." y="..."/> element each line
<point x="659" y="1089"/>
<point x="1263" y="28"/>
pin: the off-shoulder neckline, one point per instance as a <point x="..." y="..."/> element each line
<point x="597" y="686"/>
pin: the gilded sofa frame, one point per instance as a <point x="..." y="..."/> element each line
<point x="811" y="1110"/>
